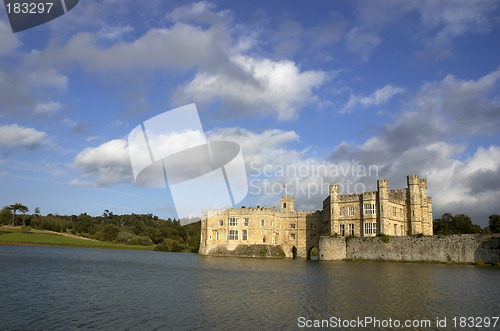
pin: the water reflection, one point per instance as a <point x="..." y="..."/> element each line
<point x="68" y="288"/>
<point x="277" y="292"/>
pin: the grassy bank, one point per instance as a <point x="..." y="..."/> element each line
<point x="14" y="236"/>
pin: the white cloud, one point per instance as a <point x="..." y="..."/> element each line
<point x="47" y="78"/>
<point x="377" y="98"/>
<point x="470" y="186"/>
<point x="427" y="139"/>
<point x="8" y="40"/>
<point x="363" y="41"/>
<point x="200" y="40"/>
<point x="465" y="104"/>
<point x="287" y="39"/>
<point x="258" y="85"/>
<point x="114" y="32"/>
<point x="439" y="23"/>
<point x="259" y="148"/>
<point x="200" y="12"/>
<point x="180" y="46"/>
<point x="105" y="164"/>
<point x="17" y="136"/>
<point x="21" y="88"/>
<point x="47" y="108"/>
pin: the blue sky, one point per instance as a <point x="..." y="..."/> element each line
<point x="408" y="87"/>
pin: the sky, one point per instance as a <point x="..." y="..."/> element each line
<point x="315" y="93"/>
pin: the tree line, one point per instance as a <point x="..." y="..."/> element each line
<point x="132" y="229"/>
<point x="462" y="224"/>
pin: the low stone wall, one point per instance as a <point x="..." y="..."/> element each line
<point x="332" y="248"/>
<point x="269" y="251"/>
<point x="453" y="248"/>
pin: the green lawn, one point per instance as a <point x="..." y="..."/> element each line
<point x="49" y="239"/>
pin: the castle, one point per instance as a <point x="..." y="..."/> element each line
<point x="401" y="212"/>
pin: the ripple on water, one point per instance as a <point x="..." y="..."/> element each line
<point x="67" y="288"/>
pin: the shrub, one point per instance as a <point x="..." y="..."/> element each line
<point x="178" y="247"/>
<point x="145" y="241"/>
<point x="26" y="229"/>
<point x="134" y="240"/>
<point x="123" y="236"/>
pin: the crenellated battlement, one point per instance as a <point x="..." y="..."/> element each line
<point x="369" y="195"/>
<point x="350" y="197"/>
<point x="397" y="198"/>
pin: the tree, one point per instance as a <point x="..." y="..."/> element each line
<point x="494" y="223"/>
<point x="458" y="224"/>
<point x="15" y="207"/>
<point x="5" y="215"/>
<point x="110" y="232"/>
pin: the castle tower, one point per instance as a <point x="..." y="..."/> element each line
<point x="424" y="207"/>
<point x="287" y="203"/>
<point x="334" y="208"/>
<point x="383" y="205"/>
<point x="430" y="229"/>
<point x="414" y="201"/>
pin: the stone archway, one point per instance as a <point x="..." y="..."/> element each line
<point x="294" y="252"/>
<point x="313" y="253"/>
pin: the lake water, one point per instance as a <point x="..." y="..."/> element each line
<point x="58" y="288"/>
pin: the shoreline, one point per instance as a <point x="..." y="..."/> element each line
<point x="37" y="237"/>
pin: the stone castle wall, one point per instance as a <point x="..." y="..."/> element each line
<point x="454" y="248"/>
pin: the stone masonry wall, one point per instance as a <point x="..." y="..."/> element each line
<point x="454" y="248"/>
<point x="332" y="248"/>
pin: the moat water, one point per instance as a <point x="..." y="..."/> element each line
<point x="57" y="288"/>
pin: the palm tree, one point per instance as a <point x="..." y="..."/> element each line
<point x="15" y="207"/>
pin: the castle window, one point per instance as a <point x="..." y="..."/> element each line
<point x="350" y="211"/>
<point x="400" y="212"/>
<point x="210" y="238"/>
<point x="402" y="232"/>
<point x="292" y="226"/>
<point x="221" y="223"/>
<point x="261" y="222"/>
<point x="233" y="235"/>
<point x="394" y="211"/>
<point x="244" y="235"/>
<point x="370" y="228"/>
<point x="264" y="239"/>
<point x="351" y="229"/>
<point x="342" y="230"/>
<point x="284" y="205"/>
<point x="342" y="211"/>
<point x="292" y="236"/>
<point x="217" y="235"/>
<point x="313" y="226"/>
<point x="395" y="230"/>
<point x="369" y="209"/>
<point x="246" y="221"/>
<point x="233" y="221"/>
<point x="314" y="237"/>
